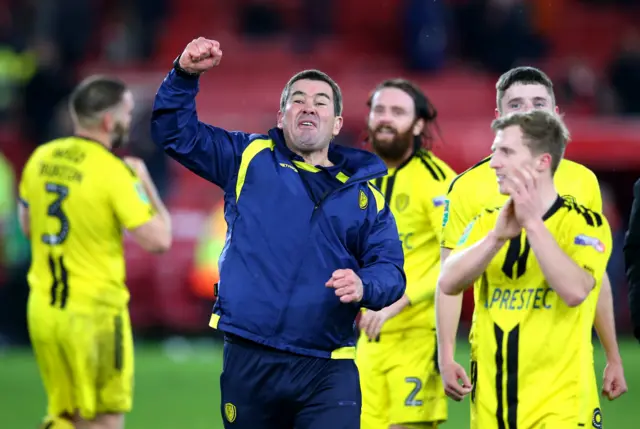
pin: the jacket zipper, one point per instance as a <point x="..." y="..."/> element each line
<point x="317" y="205"/>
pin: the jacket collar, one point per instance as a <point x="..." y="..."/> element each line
<point x="358" y="164"/>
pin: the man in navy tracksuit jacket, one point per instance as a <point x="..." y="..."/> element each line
<point x="310" y="242"/>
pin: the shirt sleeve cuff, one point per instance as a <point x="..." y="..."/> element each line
<point x="182" y="81"/>
<point x="138" y="221"/>
<point x="366" y="291"/>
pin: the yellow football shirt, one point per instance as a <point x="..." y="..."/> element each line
<point x="531" y="354"/>
<point x="415" y="193"/>
<point x="477" y="188"/>
<point x="80" y="197"/>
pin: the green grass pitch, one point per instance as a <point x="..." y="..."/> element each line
<point x="176" y="387"/>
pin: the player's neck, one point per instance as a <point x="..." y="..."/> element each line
<point x="100" y="137"/>
<point x="320" y="158"/>
<point x="548" y="194"/>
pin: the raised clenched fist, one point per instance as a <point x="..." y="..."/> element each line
<point x="200" y="55"/>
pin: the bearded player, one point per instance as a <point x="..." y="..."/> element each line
<point x="396" y="352"/>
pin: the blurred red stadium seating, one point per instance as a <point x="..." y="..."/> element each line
<point x="243" y="94"/>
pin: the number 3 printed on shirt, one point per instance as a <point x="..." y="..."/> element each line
<point x="55" y="210"/>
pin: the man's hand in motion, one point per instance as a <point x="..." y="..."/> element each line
<point x="455" y="380"/>
<point x="614" y="384"/>
<point x="371" y="322"/>
<point x="347" y="284"/>
<point x="200" y="55"/>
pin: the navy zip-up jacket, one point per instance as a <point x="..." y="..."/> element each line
<point x="281" y="245"/>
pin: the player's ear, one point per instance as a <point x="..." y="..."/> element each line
<point x="544" y="162"/>
<point x="279" y="119"/>
<point x="337" y="125"/>
<point x="497" y="113"/>
<point x="108" y="122"/>
<point x="418" y="127"/>
<point x="557" y="110"/>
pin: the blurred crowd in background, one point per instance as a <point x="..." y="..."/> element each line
<point x="590" y="48"/>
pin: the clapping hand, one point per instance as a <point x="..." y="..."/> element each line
<point x="527" y="203"/>
<point x="507" y="225"/>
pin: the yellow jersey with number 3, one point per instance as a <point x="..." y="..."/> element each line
<point x="80" y="197"/>
<point x="532" y="363"/>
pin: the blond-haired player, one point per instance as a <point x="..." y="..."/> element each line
<point x="534" y="262"/>
<point x="518" y="90"/>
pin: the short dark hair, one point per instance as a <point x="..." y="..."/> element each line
<point x="523" y="76"/>
<point x="423" y="107"/>
<point x="543" y="132"/>
<point x="318" y="76"/>
<point x="93" y="96"/>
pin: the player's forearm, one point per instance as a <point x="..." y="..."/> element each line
<point x="174" y="108"/>
<point x="397" y="306"/>
<point x="157" y="204"/>
<point x="207" y="151"/>
<point x="570" y="281"/>
<point x="605" y="322"/>
<point x="448" y="310"/>
<point x="462" y="269"/>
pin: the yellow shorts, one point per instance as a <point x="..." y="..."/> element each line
<point x="85" y="357"/>
<point x="548" y="412"/>
<point x="399" y="379"/>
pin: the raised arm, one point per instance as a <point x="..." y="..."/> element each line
<point x="138" y="206"/>
<point x="210" y="152"/>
